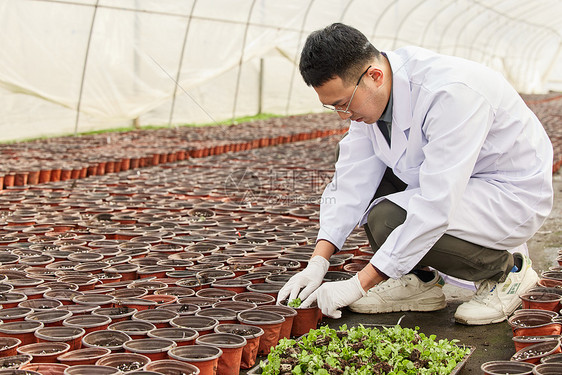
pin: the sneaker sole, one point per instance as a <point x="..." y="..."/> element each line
<point x="418" y="305"/>
<point x="476" y="322"/>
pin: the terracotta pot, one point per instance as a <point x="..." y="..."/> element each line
<point x="534" y="353"/>
<point x="84" y="356"/>
<point x="112" y="340"/>
<point x="181" y="336"/>
<point x="22" y="330"/>
<point x="89" y="323"/>
<point x="203" y="325"/>
<point x="288" y="313"/>
<point x="271" y="324"/>
<point x="153" y="348"/>
<point x="8" y="346"/>
<point x="204" y="357"/>
<point x="231" y="345"/>
<point x="15" y="361"/>
<point x="125" y="362"/>
<point x="169" y="367"/>
<point x="91" y="369"/>
<point x="134" y="328"/>
<point x="45" y="368"/>
<point x="44" y="352"/>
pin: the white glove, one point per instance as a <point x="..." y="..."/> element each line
<point x="333" y="295"/>
<point x="310" y="278"/>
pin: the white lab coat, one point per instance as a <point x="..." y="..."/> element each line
<point x="477" y="162"/>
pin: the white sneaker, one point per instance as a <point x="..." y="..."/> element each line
<point x="407" y="293"/>
<point x="493" y="302"/>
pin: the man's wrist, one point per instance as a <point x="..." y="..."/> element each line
<point x="324" y="248"/>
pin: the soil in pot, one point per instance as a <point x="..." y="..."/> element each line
<point x="171" y="367"/>
<point x="84" y="356"/>
<point x="533" y="324"/>
<point x="45" y="368"/>
<point x="223" y="315"/>
<point x="15" y="361"/>
<point x="507" y="367"/>
<point x="547" y="369"/>
<point x="153" y="348"/>
<point x="541" y="301"/>
<point x="91" y="369"/>
<point x="205" y="357"/>
<point x="124" y="362"/>
<point x="524" y="341"/>
<point x="257" y="298"/>
<point x="201" y="324"/>
<point x="232" y="346"/>
<point x="159" y="317"/>
<point x="8" y="346"/>
<point x="89" y="323"/>
<point x="134" y="328"/>
<point x="50" y="318"/>
<point x="14" y="314"/>
<point x="270" y="322"/>
<point x="117" y="314"/>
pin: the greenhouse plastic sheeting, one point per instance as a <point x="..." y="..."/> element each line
<point x="70" y="66"/>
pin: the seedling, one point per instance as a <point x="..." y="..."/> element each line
<point x="295" y="303"/>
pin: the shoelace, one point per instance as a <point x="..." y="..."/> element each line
<point x="390" y="283"/>
<point x="485" y="292"/>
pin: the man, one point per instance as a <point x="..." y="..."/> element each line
<point x="444" y="166"/>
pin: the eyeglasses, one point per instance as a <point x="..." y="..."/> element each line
<point x="346" y="110"/>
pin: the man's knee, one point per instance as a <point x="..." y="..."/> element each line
<point x="383" y="219"/>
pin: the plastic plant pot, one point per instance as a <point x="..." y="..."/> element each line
<point x="534" y="353"/>
<point x="137" y="303"/>
<point x="524" y="341"/>
<point x="257" y="298"/>
<point x="44" y="352"/>
<point x="70" y="335"/>
<point x="124" y="362"/>
<point x="18" y="372"/>
<point x="181" y="309"/>
<point x="178" y="291"/>
<point x="153" y="348"/>
<point x="202" y="302"/>
<point x="216" y="293"/>
<point x="235" y="305"/>
<point x="11" y="299"/>
<point x="112" y="340"/>
<point x="84" y="356"/>
<point x="25" y="331"/>
<point x="553" y="358"/>
<point x="8" y="346"/>
<point x="62" y="295"/>
<point x="161" y="299"/>
<point x="265" y="288"/>
<point x="232" y="346"/>
<point x="507" y="367"/>
<point x="134" y="328"/>
<point x="541" y="301"/>
<point x="117" y="314"/>
<point x="170" y="367"/>
<point x="83" y="282"/>
<point x="223" y="315"/>
<point x="552" y="314"/>
<point x="91" y="369"/>
<point x="252" y="335"/>
<point x="14" y="361"/>
<point x="202" y="324"/>
<point x="41" y="304"/>
<point x="159" y="317"/>
<point x="128" y="292"/>
<point x="547" y="369"/>
<point x="534" y="324"/>
<point x="204" y="357"/>
<point x="78" y="309"/>
<point x="14" y="314"/>
<point x="181" y="336"/>
<point x="89" y="323"/>
<point x="288" y="313"/>
<point x="45" y="368"/>
<point x="306" y="319"/>
<point x="50" y="318"/>
<point x="269" y="321"/>
<point x="100" y="300"/>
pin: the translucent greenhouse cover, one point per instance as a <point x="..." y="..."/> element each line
<point x="70" y="66"/>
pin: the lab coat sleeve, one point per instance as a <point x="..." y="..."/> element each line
<point x="456" y="124"/>
<point x="358" y="173"/>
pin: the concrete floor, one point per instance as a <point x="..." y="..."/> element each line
<point x="491" y="342"/>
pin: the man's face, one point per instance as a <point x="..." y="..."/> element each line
<point x="368" y="102"/>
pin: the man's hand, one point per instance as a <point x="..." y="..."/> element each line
<point x="310" y="278"/>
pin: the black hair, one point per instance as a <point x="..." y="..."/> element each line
<point x="337" y="50"/>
